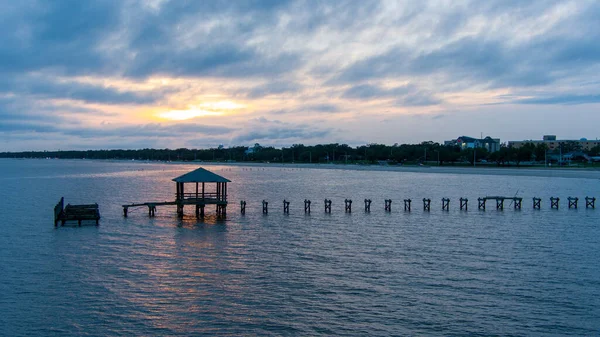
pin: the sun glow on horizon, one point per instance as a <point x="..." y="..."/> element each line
<point x="201" y="110"/>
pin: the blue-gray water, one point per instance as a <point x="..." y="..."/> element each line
<point x="439" y="273"/>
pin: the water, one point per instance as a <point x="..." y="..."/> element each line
<point x="523" y="272"/>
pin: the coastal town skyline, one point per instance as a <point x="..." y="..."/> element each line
<point x="169" y="74"/>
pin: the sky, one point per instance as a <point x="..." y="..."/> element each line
<point x="131" y="74"/>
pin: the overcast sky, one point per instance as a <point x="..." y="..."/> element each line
<point x="134" y="74"/>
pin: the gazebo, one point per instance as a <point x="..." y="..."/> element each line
<point x="201" y="196"/>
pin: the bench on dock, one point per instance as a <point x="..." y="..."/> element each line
<point x="77" y="213"/>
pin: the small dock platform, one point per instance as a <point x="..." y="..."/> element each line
<point x="79" y="213"/>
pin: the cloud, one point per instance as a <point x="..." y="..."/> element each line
<point x="263" y="129"/>
<point x="406" y="95"/>
<point x="274" y="88"/>
<point x="40" y="87"/>
<point x="120" y="61"/>
<point x="561" y="100"/>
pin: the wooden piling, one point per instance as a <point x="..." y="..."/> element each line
<point x="367" y="205"/>
<point x="327" y="206"/>
<point x="306" y="206"/>
<point x="464" y="204"/>
<point x="445" y="204"/>
<point x="554" y="202"/>
<point x="590" y="202"/>
<point x="243" y="207"/>
<point x="500" y="204"/>
<point x="286" y="207"/>
<point x="481" y="203"/>
<point x="573" y="202"/>
<point x="265" y="207"/>
<point x="348" y="205"/>
<point x="518" y="202"/>
<point x="426" y="204"/>
<point x="407" y="205"/>
<point x="537" y="203"/>
<point x="388" y="205"/>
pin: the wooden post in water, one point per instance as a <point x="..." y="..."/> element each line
<point x="445" y="204"/>
<point x="286" y="207"/>
<point x="306" y="206"/>
<point x="464" y="204"/>
<point x="500" y="204"/>
<point x="407" y="205"/>
<point x="243" y="207"/>
<point x="327" y="206"/>
<point x="572" y="202"/>
<point x="426" y="204"/>
<point x="590" y="202"/>
<point x="481" y="203"/>
<point x="265" y="205"/>
<point x="388" y="205"/>
<point x="537" y="203"/>
<point x="125" y="209"/>
<point x="348" y="205"/>
<point x="367" y="205"/>
<point x="554" y="202"/>
<point x="518" y="202"/>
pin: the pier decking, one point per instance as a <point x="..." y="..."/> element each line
<point x="200" y="198"/>
<point x="77" y="213"/>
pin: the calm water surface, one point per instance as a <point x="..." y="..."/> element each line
<point x="439" y="273"/>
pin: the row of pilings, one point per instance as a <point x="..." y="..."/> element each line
<point x="572" y="203"/>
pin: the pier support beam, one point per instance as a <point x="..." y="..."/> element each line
<point x="464" y="204"/>
<point x="243" y="207"/>
<point x="537" y="203"/>
<point x="367" y="205"/>
<point x="327" y="206"/>
<point x="426" y="204"/>
<point x="445" y="204"/>
<point x="481" y="203"/>
<point x="500" y="204"/>
<point x="265" y="207"/>
<point x="286" y="207"/>
<point x="407" y="205"/>
<point x="348" y="205"/>
<point x="306" y="206"/>
<point x="554" y="202"/>
<point x="388" y="205"/>
<point x="518" y="203"/>
<point x="573" y="202"/>
<point x="590" y="202"/>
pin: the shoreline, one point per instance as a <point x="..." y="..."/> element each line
<point x="581" y="173"/>
<point x="501" y="171"/>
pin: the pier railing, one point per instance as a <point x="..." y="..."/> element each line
<point x="206" y="195"/>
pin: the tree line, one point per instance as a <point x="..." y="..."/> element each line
<point x="425" y="152"/>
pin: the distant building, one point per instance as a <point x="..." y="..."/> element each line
<point x="553" y="143"/>
<point x="488" y="143"/>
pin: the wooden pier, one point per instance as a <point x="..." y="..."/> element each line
<point x="77" y="213"/>
<point x="199" y="198"/>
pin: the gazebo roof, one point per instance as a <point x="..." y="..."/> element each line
<point x="201" y="175"/>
